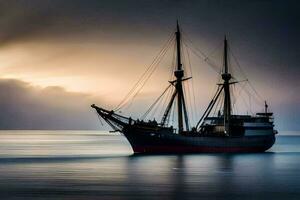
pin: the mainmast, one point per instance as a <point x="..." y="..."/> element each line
<point x="227" y="104"/>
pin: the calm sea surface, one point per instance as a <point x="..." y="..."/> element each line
<point x="96" y="165"/>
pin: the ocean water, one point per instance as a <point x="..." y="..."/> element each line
<point x="97" y="165"/>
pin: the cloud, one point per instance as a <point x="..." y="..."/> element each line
<point x="34" y="19"/>
<point x="24" y="106"/>
<point x="102" y="48"/>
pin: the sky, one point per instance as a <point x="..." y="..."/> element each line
<point x="58" y="57"/>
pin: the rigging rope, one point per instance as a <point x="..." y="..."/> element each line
<point x="164" y="105"/>
<point x="244" y="74"/>
<point x="155" y="102"/>
<point x="219" y="100"/>
<point x="200" y="53"/>
<point x="148" y="69"/>
<point x="100" y="119"/>
<point x="206" y="59"/>
<point x="147" y="78"/>
<point x="194" y="107"/>
<point x="239" y="93"/>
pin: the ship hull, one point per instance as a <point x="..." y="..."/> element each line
<point x="199" y="149"/>
<point x="169" y="143"/>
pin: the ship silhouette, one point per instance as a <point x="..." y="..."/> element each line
<point x="225" y="132"/>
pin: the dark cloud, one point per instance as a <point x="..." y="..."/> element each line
<point x="34" y="19"/>
<point x="20" y="20"/>
<point x="24" y="18"/>
<point x="23" y="106"/>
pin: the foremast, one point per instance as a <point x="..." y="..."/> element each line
<point x="179" y="74"/>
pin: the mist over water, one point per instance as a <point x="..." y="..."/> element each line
<point x="96" y="165"/>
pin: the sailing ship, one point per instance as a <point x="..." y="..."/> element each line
<point x="226" y="132"/>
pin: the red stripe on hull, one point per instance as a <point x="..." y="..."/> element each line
<point x="178" y="149"/>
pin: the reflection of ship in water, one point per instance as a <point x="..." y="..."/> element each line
<point x="220" y="131"/>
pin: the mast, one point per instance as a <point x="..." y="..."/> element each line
<point x="179" y="73"/>
<point x="227" y="102"/>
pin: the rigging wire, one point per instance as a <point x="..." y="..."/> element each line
<point x="155" y="110"/>
<point x="156" y="105"/>
<point x="100" y="119"/>
<point x="185" y="35"/>
<point x="249" y="93"/>
<point x="239" y="93"/>
<point x="219" y="101"/>
<point x="235" y="106"/>
<point x="210" y="106"/>
<point x="173" y="62"/>
<point x="205" y="59"/>
<point x="215" y="49"/>
<point x="232" y="91"/>
<point x="200" y="53"/>
<point x="194" y="108"/>
<point x="169" y="92"/>
<point x="247" y="105"/>
<point x="148" y="69"/>
<point x="168" y="97"/>
<point x="155" y="102"/>
<point x="172" y="69"/>
<point x="218" y="105"/>
<point x="186" y="88"/>
<point x="250" y="104"/>
<point x="244" y="74"/>
<point x="147" y="78"/>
